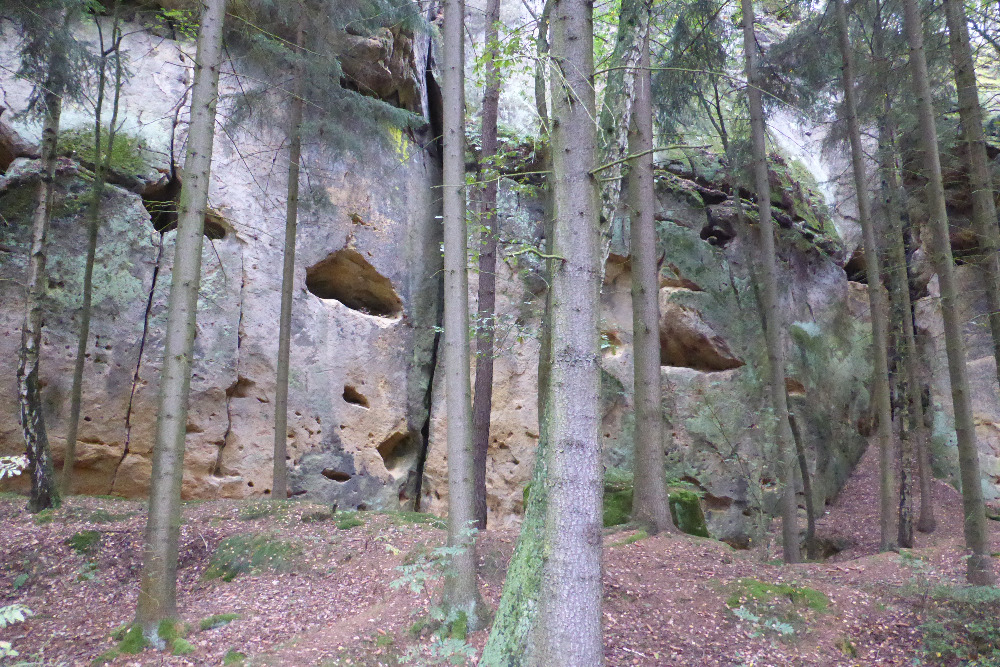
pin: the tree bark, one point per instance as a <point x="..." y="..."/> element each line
<point x="769" y="295"/>
<point x="490" y="224"/>
<point x="101" y="168"/>
<point x="158" y="589"/>
<point x="44" y="491"/>
<point x="876" y="295"/>
<point x="650" y="506"/>
<point x="984" y="212"/>
<point x="800" y="453"/>
<point x="570" y="614"/>
<point x="980" y="568"/>
<point x="279" y="484"/>
<point x="461" y="593"/>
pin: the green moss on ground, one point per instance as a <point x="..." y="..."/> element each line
<point x="85" y="542"/>
<point x="749" y="592"/>
<point x="250" y="553"/>
<point x="217" y="621"/>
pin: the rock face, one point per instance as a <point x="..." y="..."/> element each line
<point x="365" y="303"/>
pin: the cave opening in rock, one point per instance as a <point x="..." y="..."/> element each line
<point x="162" y="200"/>
<point x="354" y="397"/>
<point x="857" y="271"/>
<point x="399" y="452"/>
<point x="335" y="475"/>
<point x="347" y="277"/>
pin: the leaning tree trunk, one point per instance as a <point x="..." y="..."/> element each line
<point x="570" y="614"/>
<point x="279" y="484"/>
<point x="101" y="168"/>
<point x="44" y="491"/>
<point x="769" y="296"/>
<point x="650" y="506"/>
<point x="984" y="212"/>
<point x="876" y="295"/>
<point x="158" y="590"/>
<point x="980" y="567"/>
<point x="489" y="221"/>
<point x="461" y="592"/>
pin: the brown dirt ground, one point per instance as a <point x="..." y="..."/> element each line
<point x="665" y="597"/>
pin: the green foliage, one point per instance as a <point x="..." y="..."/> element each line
<point x="9" y="615"/>
<point x="685" y="508"/>
<point x="750" y="592"/>
<point x="349" y="521"/>
<point x="261" y="509"/>
<point x="85" y="542"/>
<point x="960" y="626"/>
<point x="217" y="621"/>
<point x="183" y="21"/>
<point x="181" y="646"/>
<point x="250" y="553"/>
<point x="45" y="517"/>
<point x="127" y="153"/>
<point x="233" y="658"/>
<point x="132" y="641"/>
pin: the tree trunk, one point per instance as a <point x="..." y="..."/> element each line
<point x="461" y="592"/>
<point x="489" y="221"/>
<point x="980" y="567"/>
<point x="876" y="296"/>
<point x="101" y="168"/>
<point x="44" y="491"/>
<point x="158" y="591"/>
<point x="541" y="58"/>
<point x="279" y="485"/>
<point x="769" y="294"/>
<point x="570" y="613"/>
<point x="800" y="452"/>
<point x="650" y="506"/>
<point x="984" y="213"/>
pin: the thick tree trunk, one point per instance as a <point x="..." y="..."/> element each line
<point x="279" y="484"/>
<point x="490" y="223"/>
<point x="570" y="614"/>
<point x="158" y="591"/>
<point x="980" y="566"/>
<point x="984" y="212"/>
<point x="44" y="491"/>
<point x="650" y="506"/>
<point x="461" y="593"/>
<point x="101" y="167"/>
<point x="876" y="295"/>
<point x="769" y="296"/>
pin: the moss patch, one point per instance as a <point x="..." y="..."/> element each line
<point x="85" y="543"/>
<point x="753" y="592"/>
<point x="617" y="497"/>
<point x="217" y="621"/>
<point x="233" y="657"/>
<point x="126" y="152"/>
<point x="685" y="509"/>
<point x="250" y="553"/>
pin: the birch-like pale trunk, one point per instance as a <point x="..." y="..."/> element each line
<point x="101" y="168"/>
<point x="279" y="483"/>
<point x="461" y="592"/>
<point x="984" y="212"/>
<point x="44" y="490"/>
<point x="490" y="223"/>
<point x="158" y="589"/>
<point x="979" y="569"/>
<point x="876" y="295"/>
<point x="570" y="612"/>
<point x="769" y="296"/>
<point x="650" y="506"/>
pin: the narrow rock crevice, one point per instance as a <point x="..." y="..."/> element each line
<point x="241" y="386"/>
<point x="138" y="365"/>
<point x="425" y="428"/>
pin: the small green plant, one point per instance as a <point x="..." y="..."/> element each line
<point x="348" y="522"/>
<point x="45" y="517"/>
<point x="20" y="580"/>
<point x="85" y="542"/>
<point x="181" y="646"/>
<point x="217" y="621"/>
<point x="774" y="607"/>
<point x="9" y="615"/>
<point x="960" y="626"/>
<point x="250" y="553"/>
<point x="233" y="658"/>
<point x="87" y="572"/>
<point x="261" y="509"/>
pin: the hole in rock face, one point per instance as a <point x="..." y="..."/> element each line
<point x="855" y="268"/>
<point x="354" y="397"/>
<point x="347" y="276"/>
<point x="398" y="451"/>
<point x="162" y="200"/>
<point x="335" y="475"/>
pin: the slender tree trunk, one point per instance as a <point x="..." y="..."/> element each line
<point x="800" y="452"/>
<point x="650" y="506"/>
<point x="101" y="168"/>
<point x="876" y="295"/>
<point x="44" y="491"/>
<point x="570" y="619"/>
<point x="769" y="294"/>
<point x="490" y="222"/>
<point x="461" y="592"/>
<point x="541" y="60"/>
<point x="158" y="591"/>
<point x="980" y="567"/>
<point x="279" y="485"/>
<point x="984" y="212"/>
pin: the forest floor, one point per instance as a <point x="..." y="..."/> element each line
<point x="313" y="588"/>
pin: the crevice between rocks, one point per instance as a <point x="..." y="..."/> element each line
<point x="240" y="387"/>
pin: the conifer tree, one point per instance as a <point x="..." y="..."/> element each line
<point x="158" y="591"/>
<point x="461" y="592"/>
<point x="769" y="296"/>
<point x="979" y="569"/>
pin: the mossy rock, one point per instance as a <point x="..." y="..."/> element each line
<point x="617" y="507"/>
<point x="126" y="152"/>
<point x="685" y="509"/>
